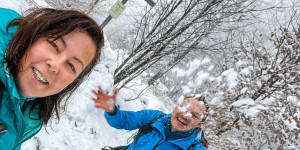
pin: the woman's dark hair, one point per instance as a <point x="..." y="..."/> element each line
<point x="51" y="23"/>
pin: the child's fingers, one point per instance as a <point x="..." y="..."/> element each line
<point x="96" y="100"/>
<point x="99" y="106"/>
<point x="96" y="93"/>
<point x="115" y="94"/>
<point x="100" y="91"/>
<point x="116" y="91"/>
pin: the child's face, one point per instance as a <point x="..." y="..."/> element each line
<point x="48" y="67"/>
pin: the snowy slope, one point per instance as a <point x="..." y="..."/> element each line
<point x="83" y="127"/>
<point x="17" y="5"/>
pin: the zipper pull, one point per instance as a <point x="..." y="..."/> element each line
<point x="3" y="129"/>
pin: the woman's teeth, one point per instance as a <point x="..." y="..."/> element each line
<point x="38" y="76"/>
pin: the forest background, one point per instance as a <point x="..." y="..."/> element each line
<point x="242" y="55"/>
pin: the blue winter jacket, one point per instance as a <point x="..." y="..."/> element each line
<point x="14" y="111"/>
<point x="162" y="137"/>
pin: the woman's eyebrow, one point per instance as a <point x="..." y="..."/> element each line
<point x="75" y="58"/>
<point x="78" y="60"/>
<point x="63" y="42"/>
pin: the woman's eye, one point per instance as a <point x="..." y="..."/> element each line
<point x="53" y="45"/>
<point x="72" y="67"/>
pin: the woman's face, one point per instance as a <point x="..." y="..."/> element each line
<point x="48" y="67"/>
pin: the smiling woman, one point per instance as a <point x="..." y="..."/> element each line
<point x="44" y="56"/>
<point x="48" y="67"/>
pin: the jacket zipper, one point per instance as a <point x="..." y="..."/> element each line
<point x="158" y="143"/>
<point x="19" y="143"/>
<point x="22" y="128"/>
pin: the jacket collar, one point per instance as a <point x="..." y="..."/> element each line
<point x="6" y="78"/>
<point x="183" y="142"/>
<point x="9" y="82"/>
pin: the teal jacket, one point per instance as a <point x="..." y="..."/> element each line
<point x="14" y="111"/>
<point x="161" y="138"/>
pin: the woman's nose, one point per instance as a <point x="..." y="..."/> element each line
<point x="54" y="65"/>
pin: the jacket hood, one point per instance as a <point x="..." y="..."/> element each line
<point x="184" y="142"/>
<point x="6" y="78"/>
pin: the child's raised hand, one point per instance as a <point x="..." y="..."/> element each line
<point x="105" y="101"/>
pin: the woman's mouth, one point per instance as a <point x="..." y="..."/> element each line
<point x="39" y="77"/>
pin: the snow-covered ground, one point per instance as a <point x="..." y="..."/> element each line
<point x="17" y="5"/>
<point x="83" y="127"/>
